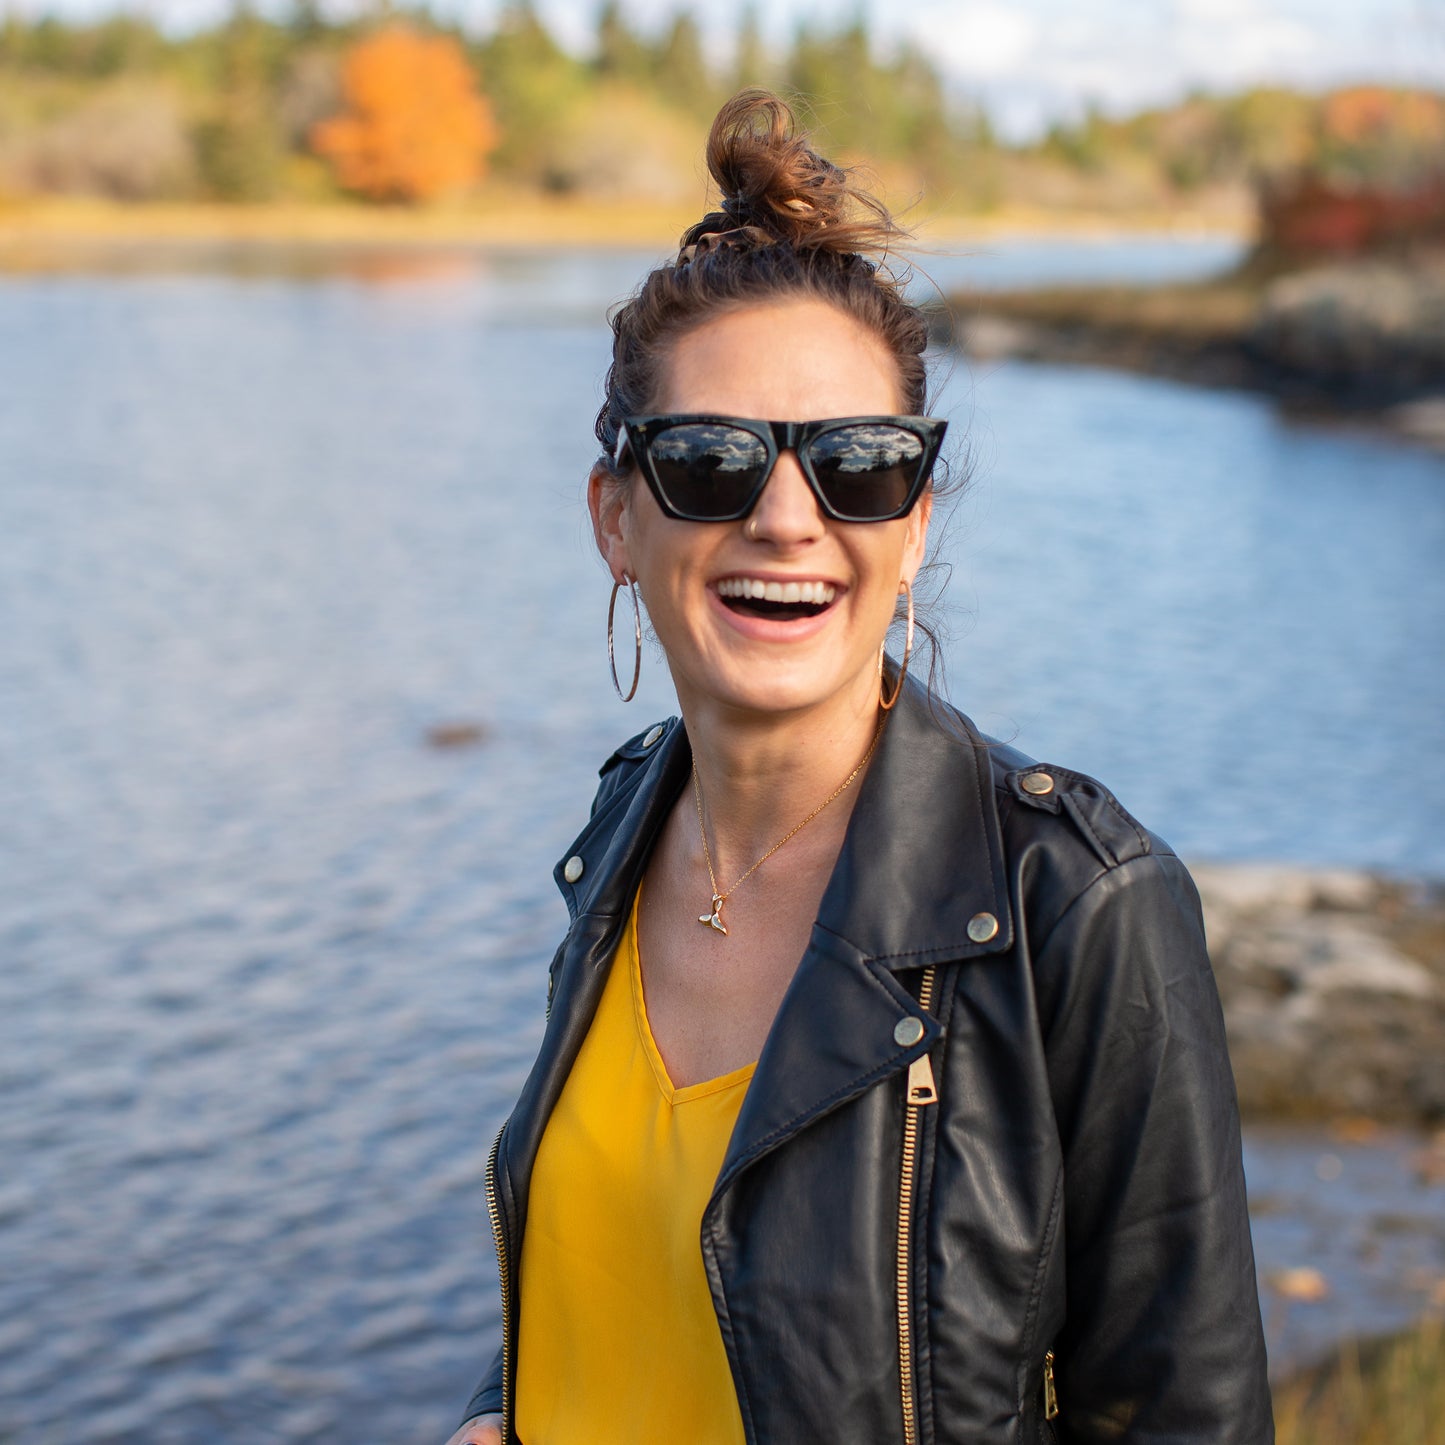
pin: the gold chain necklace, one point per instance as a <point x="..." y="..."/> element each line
<point x="713" y="919"/>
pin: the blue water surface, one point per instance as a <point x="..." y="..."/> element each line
<point x="273" y="965"/>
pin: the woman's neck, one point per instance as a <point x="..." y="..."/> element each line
<point x="761" y="775"/>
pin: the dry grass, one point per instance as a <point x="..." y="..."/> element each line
<point x="1387" y="1392"/>
<point x="523" y="220"/>
<point x="501" y="217"/>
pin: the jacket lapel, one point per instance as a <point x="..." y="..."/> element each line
<point x="923" y="856"/>
<point x="921" y="860"/>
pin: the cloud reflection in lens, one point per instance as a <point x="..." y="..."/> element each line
<point x="710" y="446"/>
<point x="865" y="447"/>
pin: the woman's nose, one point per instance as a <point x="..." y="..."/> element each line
<point x="787" y="513"/>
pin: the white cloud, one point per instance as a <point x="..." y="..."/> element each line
<point x="981" y="41"/>
<point x="1038" y="60"/>
<point x="1233" y="42"/>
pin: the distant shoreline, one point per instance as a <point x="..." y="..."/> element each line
<point x="61" y="233"/>
<point x="1329" y="341"/>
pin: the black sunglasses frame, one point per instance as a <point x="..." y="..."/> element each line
<point x="777" y="437"/>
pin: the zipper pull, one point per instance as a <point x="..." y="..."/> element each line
<point x="921" y="1089"/>
<point x="1051" y="1394"/>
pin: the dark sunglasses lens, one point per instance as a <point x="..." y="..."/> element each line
<point x="707" y="469"/>
<point x="867" y="470"/>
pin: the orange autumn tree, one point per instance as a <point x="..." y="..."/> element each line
<point x="414" y="127"/>
<point x="1377" y="136"/>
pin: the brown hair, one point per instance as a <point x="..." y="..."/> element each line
<point x="791" y="224"/>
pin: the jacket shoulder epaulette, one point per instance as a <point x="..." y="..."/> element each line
<point x="1112" y="833"/>
<point x="639" y="746"/>
<point x="622" y="764"/>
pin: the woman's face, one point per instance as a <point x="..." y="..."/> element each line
<point x="797" y="360"/>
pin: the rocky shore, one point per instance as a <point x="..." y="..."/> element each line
<point x="1333" y="985"/>
<point x="1363" y="339"/>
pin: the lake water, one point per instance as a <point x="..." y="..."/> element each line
<point x="273" y="964"/>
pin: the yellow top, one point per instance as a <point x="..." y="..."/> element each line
<point x="618" y="1339"/>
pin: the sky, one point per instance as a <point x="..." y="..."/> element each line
<point x="1029" y="61"/>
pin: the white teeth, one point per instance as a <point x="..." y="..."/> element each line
<point x="817" y="593"/>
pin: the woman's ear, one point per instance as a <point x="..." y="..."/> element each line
<point x="915" y="541"/>
<point x="607" y="502"/>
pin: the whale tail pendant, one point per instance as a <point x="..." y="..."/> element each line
<point x="714" y="919"/>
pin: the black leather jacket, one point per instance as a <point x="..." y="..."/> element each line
<point x="1068" y="1214"/>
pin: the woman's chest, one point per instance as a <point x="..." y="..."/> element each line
<point x="711" y="997"/>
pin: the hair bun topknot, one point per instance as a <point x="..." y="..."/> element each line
<point x="772" y="179"/>
<point x="791" y="227"/>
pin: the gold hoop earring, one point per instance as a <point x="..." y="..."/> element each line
<point x="887" y="703"/>
<point x="636" y="637"/>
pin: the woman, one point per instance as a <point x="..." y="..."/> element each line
<point x="884" y="1093"/>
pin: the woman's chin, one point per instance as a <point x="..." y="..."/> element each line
<point x="767" y="685"/>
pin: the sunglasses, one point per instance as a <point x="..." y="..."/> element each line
<point x="714" y="468"/>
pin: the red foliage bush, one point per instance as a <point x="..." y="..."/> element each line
<point x="1310" y="216"/>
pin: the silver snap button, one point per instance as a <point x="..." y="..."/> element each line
<point x="653" y="734"/>
<point x="982" y="927"/>
<point x="1039" y="784"/>
<point x="573" y="868"/>
<point x="907" y="1032"/>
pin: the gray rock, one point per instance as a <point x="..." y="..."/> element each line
<point x="1333" y="985"/>
<point x="1376" y="319"/>
<point x="1423" y="421"/>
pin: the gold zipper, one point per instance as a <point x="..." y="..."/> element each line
<point x="921" y="1092"/>
<point x="1051" y="1394"/>
<point x="503" y="1276"/>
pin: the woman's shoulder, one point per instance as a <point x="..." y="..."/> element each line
<point x="623" y="766"/>
<point x="1027" y="793"/>
<point x="1068" y="843"/>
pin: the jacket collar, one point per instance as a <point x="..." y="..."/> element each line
<point x="614" y="847"/>
<point x="922" y="859"/>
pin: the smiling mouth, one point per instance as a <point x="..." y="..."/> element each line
<point x="780" y="601"/>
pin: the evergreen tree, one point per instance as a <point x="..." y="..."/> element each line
<point x="752" y="65"/>
<point x="682" y="75"/>
<point x="306" y="22"/>
<point x="239" y="145"/>
<point x="621" y="53"/>
<point x="535" y="87"/>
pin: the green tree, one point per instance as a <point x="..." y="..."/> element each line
<point x="124" y="44"/>
<point x="1084" y="145"/>
<point x="1270" y="131"/>
<point x="52" y="45"/>
<point x="621" y="53"/>
<point x="13" y="38"/>
<point x="751" y="65"/>
<point x="305" y="22"/>
<point x="535" y="88"/>
<point x="239" y="144"/>
<point x="682" y="74"/>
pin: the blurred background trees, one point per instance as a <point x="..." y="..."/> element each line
<point x="404" y="107"/>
